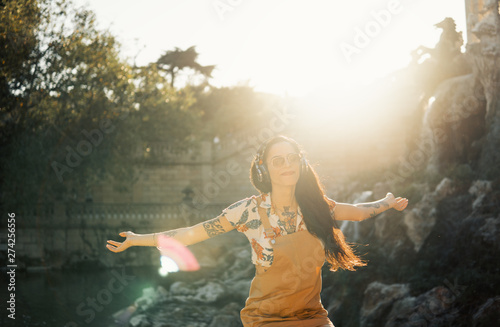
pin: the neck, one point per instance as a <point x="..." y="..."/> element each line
<point x="283" y="196"/>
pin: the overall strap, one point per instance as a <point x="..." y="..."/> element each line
<point x="268" y="230"/>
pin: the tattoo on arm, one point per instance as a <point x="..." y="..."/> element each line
<point x="370" y="205"/>
<point x="213" y="227"/>
<point x="376" y="206"/>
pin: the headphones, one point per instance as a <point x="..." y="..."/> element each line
<point x="263" y="173"/>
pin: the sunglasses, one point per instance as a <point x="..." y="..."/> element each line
<point x="279" y="161"/>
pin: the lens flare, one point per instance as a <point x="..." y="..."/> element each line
<point x="175" y="256"/>
<point x="168" y="265"/>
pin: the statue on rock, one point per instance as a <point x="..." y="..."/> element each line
<point x="442" y="62"/>
<point x="448" y="121"/>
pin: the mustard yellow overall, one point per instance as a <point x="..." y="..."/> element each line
<point x="288" y="292"/>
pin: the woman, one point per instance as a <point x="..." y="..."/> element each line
<point x="291" y="228"/>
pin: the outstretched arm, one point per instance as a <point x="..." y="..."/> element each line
<point x="186" y="236"/>
<point x="362" y="211"/>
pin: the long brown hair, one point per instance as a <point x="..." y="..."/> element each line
<point x="310" y="196"/>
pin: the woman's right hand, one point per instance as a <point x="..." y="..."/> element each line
<point x="117" y="246"/>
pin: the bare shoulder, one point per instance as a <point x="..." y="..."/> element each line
<point x="243" y="203"/>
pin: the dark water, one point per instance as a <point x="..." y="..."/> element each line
<point x="75" y="298"/>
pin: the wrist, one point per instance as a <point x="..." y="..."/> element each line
<point x="388" y="201"/>
<point x="143" y="240"/>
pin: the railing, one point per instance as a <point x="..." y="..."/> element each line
<point x="142" y="211"/>
<point x="53" y="212"/>
<point x="34" y="210"/>
<point x="163" y="151"/>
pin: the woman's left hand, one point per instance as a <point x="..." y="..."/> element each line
<point x="398" y="203"/>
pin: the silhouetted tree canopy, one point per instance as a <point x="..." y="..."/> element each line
<point x="174" y="61"/>
<point x="72" y="111"/>
<point x="74" y="114"/>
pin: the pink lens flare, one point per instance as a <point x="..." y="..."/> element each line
<point x="175" y="250"/>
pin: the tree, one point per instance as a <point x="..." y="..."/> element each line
<point x="174" y="61"/>
<point x="73" y="113"/>
<point x="18" y="50"/>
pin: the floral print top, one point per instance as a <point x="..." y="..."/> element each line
<point x="244" y="216"/>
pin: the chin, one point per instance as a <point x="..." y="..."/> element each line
<point x="289" y="181"/>
<point x="285" y="180"/>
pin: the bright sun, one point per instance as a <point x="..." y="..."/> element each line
<point x="285" y="46"/>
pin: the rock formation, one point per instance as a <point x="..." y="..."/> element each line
<point x="485" y="55"/>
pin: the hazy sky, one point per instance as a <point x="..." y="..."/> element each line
<point x="281" y="46"/>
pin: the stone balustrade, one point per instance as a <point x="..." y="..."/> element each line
<point x="140" y="211"/>
<point x="113" y="213"/>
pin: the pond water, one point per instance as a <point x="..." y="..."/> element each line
<point x="77" y="298"/>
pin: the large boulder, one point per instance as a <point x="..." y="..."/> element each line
<point x="391" y="233"/>
<point x="378" y="301"/>
<point x="421" y="219"/>
<point x="229" y="316"/>
<point x="488" y="314"/>
<point x="433" y="308"/>
<point x="484" y="55"/>
<point x="480" y="189"/>
<point x="211" y="292"/>
<point x="454" y="121"/>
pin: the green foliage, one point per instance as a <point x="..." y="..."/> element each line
<point x="18" y="23"/>
<point x="63" y="80"/>
<point x="167" y="111"/>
